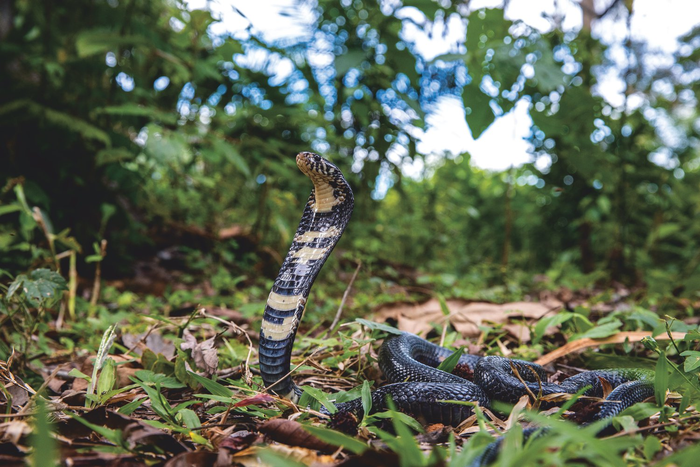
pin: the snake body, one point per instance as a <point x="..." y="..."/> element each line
<point x="408" y="361"/>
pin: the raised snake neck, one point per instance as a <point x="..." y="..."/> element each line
<point x="324" y="219"/>
<point x="418" y="389"/>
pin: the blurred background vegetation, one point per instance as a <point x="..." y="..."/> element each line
<point x="125" y="120"/>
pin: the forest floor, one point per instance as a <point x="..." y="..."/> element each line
<point x="138" y="379"/>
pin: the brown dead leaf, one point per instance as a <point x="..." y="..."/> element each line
<point x="372" y="458"/>
<point x="238" y="441"/>
<point x="292" y="433"/>
<point x="136" y="433"/>
<point x="204" y="353"/>
<point x="146" y="437"/>
<point x="72" y="429"/>
<point x="18" y="394"/>
<point x="194" y="459"/>
<point x="466" y="317"/>
<point x="258" y="399"/>
<point x="152" y="341"/>
<point x="14" y="430"/>
<point x="251" y="457"/>
<point x="96" y="458"/>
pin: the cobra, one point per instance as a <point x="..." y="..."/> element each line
<point x="407" y="361"/>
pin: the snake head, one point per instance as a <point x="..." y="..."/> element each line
<point x="318" y="169"/>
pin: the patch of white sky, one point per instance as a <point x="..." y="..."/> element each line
<point x="504" y="143"/>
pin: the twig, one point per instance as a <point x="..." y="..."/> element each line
<point x="619" y="338"/>
<point x="39" y="219"/>
<point x="72" y="285"/>
<point x="342" y="301"/>
<point x="98" y="275"/>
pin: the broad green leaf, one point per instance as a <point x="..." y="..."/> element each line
<point x="550" y="321"/>
<point x="692" y="360"/>
<point x="477" y="109"/>
<point x="93" y="42"/>
<point x="602" y="331"/>
<point x="405" y="419"/>
<point x="666" y="230"/>
<point x="158" y="403"/>
<point x="652" y="446"/>
<point x="111" y="155"/>
<point x="366" y="398"/>
<point x="450" y="362"/>
<point x="9" y="208"/>
<point x="41" y="286"/>
<point x="129" y="408"/>
<point x="378" y="326"/>
<point x="75" y="373"/>
<point x="136" y="110"/>
<point x="661" y="379"/>
<point x="189" y="418"/>
<point x="273" y="459"/>
<point x="641" y="410"/>
<point x="113" y="436"/>
<point x="107" y="378"/>
<point x="322" y="397"/>
<point x="212" y="386"/>
<point x="44" y="449"/>
<point x="443" y="305"/>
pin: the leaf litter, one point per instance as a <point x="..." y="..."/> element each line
<point x="168" y="402"/>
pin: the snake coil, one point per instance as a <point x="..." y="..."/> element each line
<point x="407" y="360"/>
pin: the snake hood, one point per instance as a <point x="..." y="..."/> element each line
<point x="324" y="219"/>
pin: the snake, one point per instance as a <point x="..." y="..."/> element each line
<point x="417" y="387"/>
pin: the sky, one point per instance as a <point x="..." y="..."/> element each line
<point x="503" y="144"/>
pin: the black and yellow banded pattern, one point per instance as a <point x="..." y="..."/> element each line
<point x="324" y="219"/>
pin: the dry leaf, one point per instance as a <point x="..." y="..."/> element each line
<point x="292" y="433"/>
<point x="204" y="354"/>
<point x="466" y="317"/>
<point x="153" y="342"/>
<point x="258" y="399"/>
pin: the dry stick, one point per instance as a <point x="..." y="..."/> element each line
<point x="342" y="301"/>
<point x="98" y="275"/>
<point x="619" y="338"/>
<point x="39" y="219"/>
<point x="72" y="285"/>
<point x="444" y="333"/>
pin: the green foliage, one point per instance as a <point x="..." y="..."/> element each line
<point x="44" y="445"/>
<point x="131" y="122"/>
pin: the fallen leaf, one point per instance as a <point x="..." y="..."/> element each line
<point x="466" y="317"/>
<point x="251" y="457"/>
<point x="193" y="459"/>
<point x="239" y="441"/>
<point x="293" y="433"/>
<point x="258" y="399"/>
<point x="153" y="342"/>
<point x="204" y="353"/>
<point x="147" y="437"/>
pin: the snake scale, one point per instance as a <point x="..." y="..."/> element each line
<point x="408" y="361"/>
